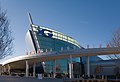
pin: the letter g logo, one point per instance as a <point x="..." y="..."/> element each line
<point x="45" y="32"/>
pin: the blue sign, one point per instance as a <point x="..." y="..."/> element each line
<point x="45" y="32"/>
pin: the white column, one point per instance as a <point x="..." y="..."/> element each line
<point x="4" y="69"/>
<point x="9" y="69"/>
<point x="1" y="69"/>
<point x="27" y="69"/>
<point x="88" y="66"/>
<point x="46" y="50"/>
<point x="50" y="49"/>
<point x="34" y="70"/>
<point x="71" y="67"/>
<point x="54" y="69"/>
<point x="102" y="76"/>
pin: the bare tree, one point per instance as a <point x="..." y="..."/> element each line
<point x="6" y="46"/>
<point x="115" y="42"/>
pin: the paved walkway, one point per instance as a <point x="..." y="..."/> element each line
<point x="29" y="79"/>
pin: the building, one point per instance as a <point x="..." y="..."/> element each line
<point x="42" y="39"/>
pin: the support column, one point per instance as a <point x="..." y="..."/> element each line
<point x="8" y="69"/>
<point x="88" y="66"/>
<point x="34" y="70"/>
<point x="71" y="67"/>
<point x="54" y="69"/>
<point x="4" y="69"/>
<point x="27" y="69"/>
<point x="0" y="71"/>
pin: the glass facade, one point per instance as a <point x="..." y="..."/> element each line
<point x="49" y="40"/>
<point x="52" y="37"/>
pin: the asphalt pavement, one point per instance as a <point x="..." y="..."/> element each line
<point x="27" y="79"/>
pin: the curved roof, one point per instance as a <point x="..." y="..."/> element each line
<point x="19" y="62"/>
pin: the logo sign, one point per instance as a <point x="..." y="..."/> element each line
<point x="45" y="32"/>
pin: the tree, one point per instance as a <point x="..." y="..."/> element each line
<point x="6" y="45"/>
<point x="115" y="42"/>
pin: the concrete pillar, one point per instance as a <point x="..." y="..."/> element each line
<point x="34" y="70"/>
<point x="0" y="71"/>
<point x="27" y="69"/>
<point x="4" y="69"/>
<point x="8" y="69"/>
<point x="50" y="49"/>
<point x="46" y="50"/>
<point x="71" y="67"/>
<point x="102" y="76"/>
<point x="88" y="66"/>
<point x="54" y="69"/>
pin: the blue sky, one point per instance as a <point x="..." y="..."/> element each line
<point x="88" y="21"/>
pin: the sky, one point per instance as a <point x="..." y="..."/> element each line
<point x="90" y="22"/>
